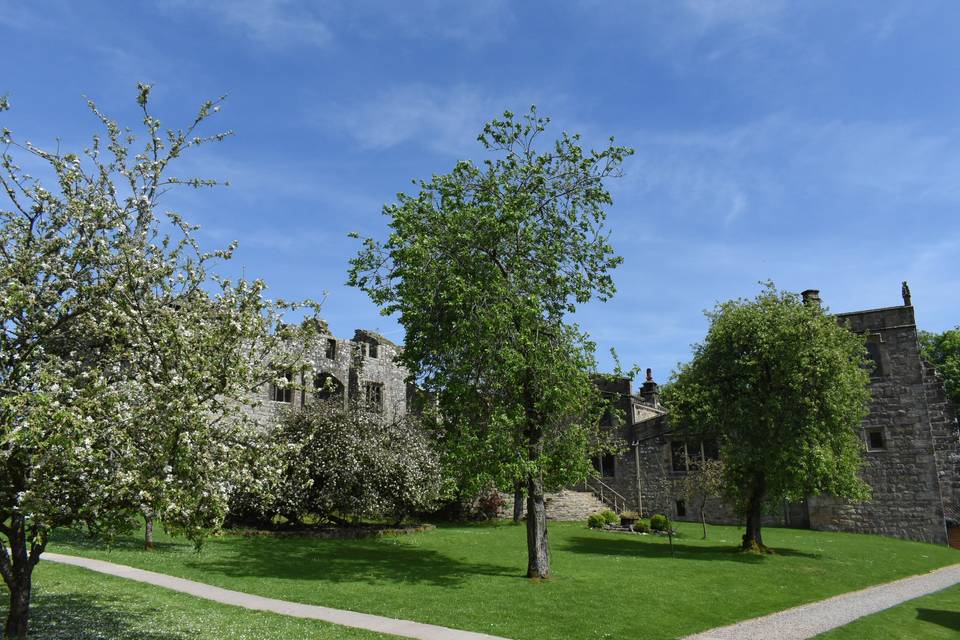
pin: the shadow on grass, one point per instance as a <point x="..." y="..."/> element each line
<point x="60" y="616"/>
<point x="631" y="545"/>
<point x="942" y="617"/>
<point x="82" y="540"/>
<point x="333" y="561"/>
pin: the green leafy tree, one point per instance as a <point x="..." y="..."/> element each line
<point x="783" y="387"/>
<point x="943" y="351"/>
<point x="483" y="266"/>
<point x="124" y="363"/>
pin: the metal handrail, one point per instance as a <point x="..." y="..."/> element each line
<point x="607" y="494"/>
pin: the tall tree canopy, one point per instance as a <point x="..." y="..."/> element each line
<point x="943" y="351"/>
<point x="783" y="387"/>
<point x="483" y="266"/>
<point x="123" y="360"/>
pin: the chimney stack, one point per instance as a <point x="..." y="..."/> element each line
<point x="650" y="391"/>
<point x="811" y="297"/>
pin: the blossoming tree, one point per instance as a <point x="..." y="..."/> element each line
<point x="123" y="359"/>
<point x="338" y="462"/>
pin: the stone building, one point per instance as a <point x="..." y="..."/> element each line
<point x="362" y="368"/>
<point x="911" y="440"/>
<point x="912" y="459"/>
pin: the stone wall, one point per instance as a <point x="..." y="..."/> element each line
<point x="661" y="486"/>
<point x="902" y="472"/>
<point x="912" y="467"/>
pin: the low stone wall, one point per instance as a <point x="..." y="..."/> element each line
<point x="335" y="533"/>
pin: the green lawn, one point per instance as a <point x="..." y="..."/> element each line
<point x="932" y="617"/>
<point x="70" y="603"/>
<point x="604" y="584"/>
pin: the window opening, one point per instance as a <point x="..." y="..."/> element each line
<point x="282" y="392"/>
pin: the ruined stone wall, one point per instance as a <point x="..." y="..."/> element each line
<point x="381" y="369"/>
<point x="902" y="474"/>
<point x="351" y="365"/>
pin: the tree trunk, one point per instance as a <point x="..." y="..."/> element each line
<point x="148" y="534"/>
<point x="538" y="556"/>
<point x="17" y="570"/>
<point x="517" y="501"/>
<point x="752" y="537"/>
<point x="703" y="518"/>
<point x="18" y="617"/>
<point x="670" y="537"/>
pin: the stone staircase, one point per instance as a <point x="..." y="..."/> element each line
<point x="563" y="505"/>
<point x="573" y="505"/>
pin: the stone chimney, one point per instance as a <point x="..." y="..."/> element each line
<point x="811" y="297"/>
<point x="650" y="391"/>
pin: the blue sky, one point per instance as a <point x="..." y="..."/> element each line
<point x="813" y="143"/>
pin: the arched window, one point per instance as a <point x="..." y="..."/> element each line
<point x="326" y="386"/>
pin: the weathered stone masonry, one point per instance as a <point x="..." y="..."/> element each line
<point x="907" y="434"/>
<point x="361" y="368"/>
<point x="911" y="436"/>
<point x="912" y="462"/>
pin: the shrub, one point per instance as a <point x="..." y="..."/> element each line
<point x="488" y="505"/>
<point x="641" y="526"/>
<point x="596" y="521"/>
<point x="659" y="522"/>
<point x="610" y="517"/>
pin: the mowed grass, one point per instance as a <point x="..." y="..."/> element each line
<point x="605" y="585"/>
<point x="70" y="603"/>
<point x="932" y="617"/>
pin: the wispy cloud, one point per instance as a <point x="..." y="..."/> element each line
<point x="886" y="24"/>
<point x="472" y="24"/>
<point x="272" y="23"/>
<point x="443" y="119"/>
<point x="16" y="15"/>
<point x="724" y="174"/>
<point x="753" y="14"/>
<point x="286" y="240"/>
<point x="280" y="24"/>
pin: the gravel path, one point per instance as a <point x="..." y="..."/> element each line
<point x="381" y="624"/>
<point x="815" y="618"/>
